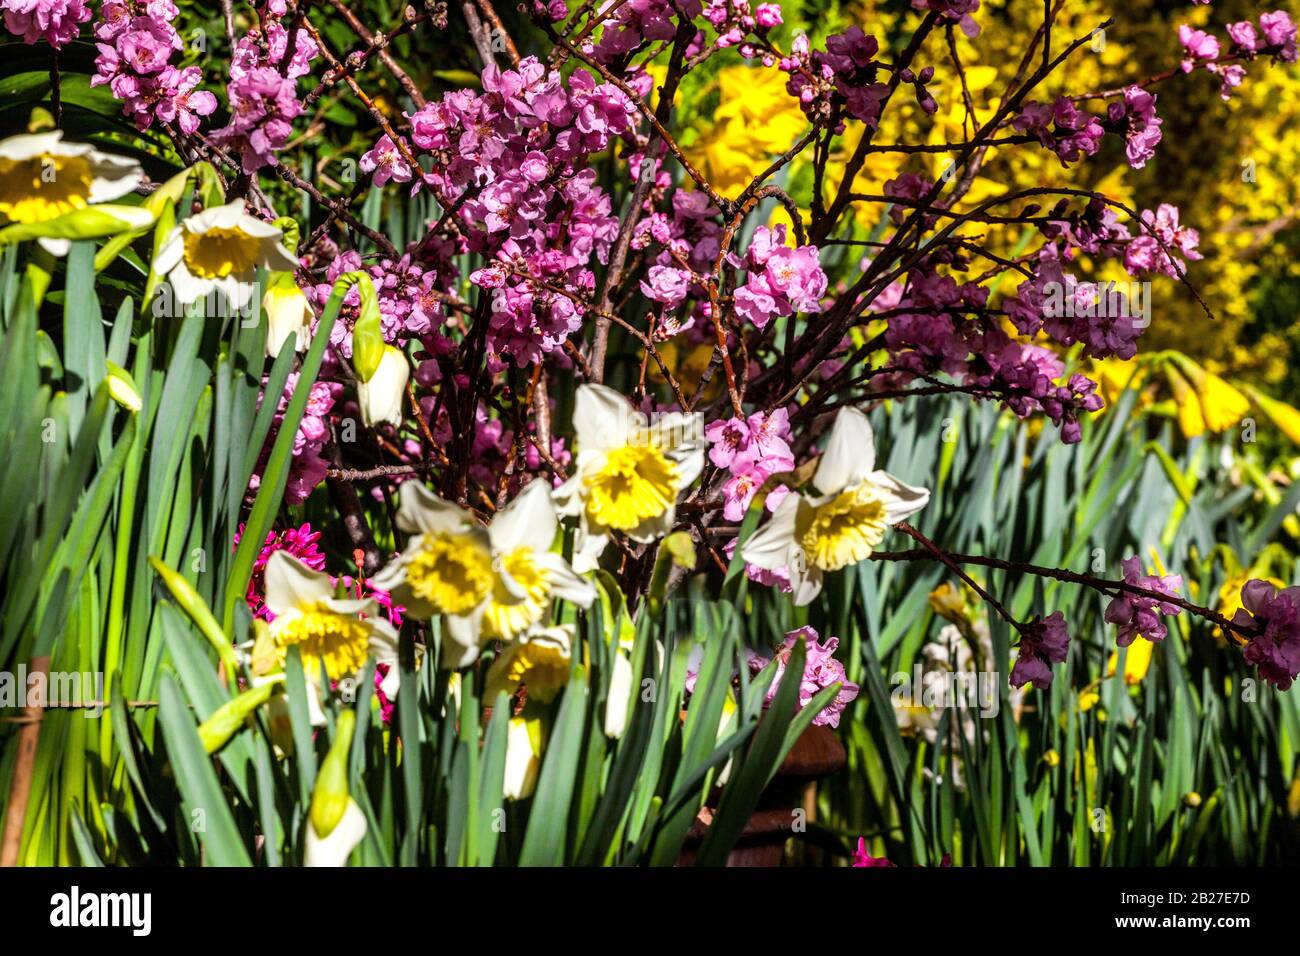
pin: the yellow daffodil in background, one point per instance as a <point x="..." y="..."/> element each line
<point x="221" y="249"/>
<point x="1136" y="663"/>
<point x="628" y="473"/>
<point x="539" y="659"/>
<point x="756" y="121"/>
<point x="43" y="178"/>
<point x="845" y="522"/>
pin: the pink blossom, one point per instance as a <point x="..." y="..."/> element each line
<point x="1138" y="615"/>
<point x="57" y="22"/>
<point x="820" y="671"/>
<point x="1197" y="45"/>
<point x="385" y="160"/>
<point x="1043" y="642"/>
<point x="1275" y="615"/>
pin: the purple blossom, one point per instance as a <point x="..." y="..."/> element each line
<point x="1275" y="649"/>
<point x="1138" y="615"/>
<point x="1043" y="642"/>
<point x="57" y="22"/>
<point x="820" y="671"/>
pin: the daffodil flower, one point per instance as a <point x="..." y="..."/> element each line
<point x="530" y="573"/>
<point x="43" y="178"/>
<point x="221" y="249"/>
<point x="486" y="583"/>
<point x="339" y="634"/>
<point x="810" y="535"/>
<point x="539" y="659"/>
<point x="627" y="474"/>
<point x="446" y="570"/>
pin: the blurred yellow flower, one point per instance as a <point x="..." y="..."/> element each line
<point x="756" y="122"/>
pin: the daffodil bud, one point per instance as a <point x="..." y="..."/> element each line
<point x="523" y="758"/>
<point x="230" y="716"/>
<point x="329" y="799"/>
<point x="620" y="696"/>
<point x="381" y="396"/>
<point x="367" y="332"/>
<point x="288" y="314"/>
<point x="192" y="603"/>
<point x="335" y="824"/>
<point x="121" y="388"/>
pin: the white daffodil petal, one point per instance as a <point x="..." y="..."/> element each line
<point x="169" y="256"/>
<point x="334" y="849"/>
<point x="419" y="509"/>
<point x="587" y="548"/>
<point x="291" y="584"/>
<point x="568" y="496"/>
<point x="602" y="418"/>
<point x="901" y="500"/>
<point x="850" y="453"/>
<point x="55" y="247"/>
<point x="522" y="761"/>
<point x="461" y="639"/>
<point x="770" y="546"/>
<point x="565" y="583"/>
<point x="528" y="521"/>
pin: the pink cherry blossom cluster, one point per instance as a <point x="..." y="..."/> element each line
<point x="752" y="449"/>
<point x="1274" y="614"/>
<point x="839" y="82"/>
<point x="820" y="670"/>
<point x="1043" y="642"/>
<point x="781" y="280"/>
<point x="136" y="43"/>
<point x="1138" y="615"/>
<point x="1276" y="38"/>
<point x="263" y="91"/>
<point x="512" y="164"/>
<point x="1073" y="134"/>
<point x="57" y="22"/>
<point x="310" y="441"/>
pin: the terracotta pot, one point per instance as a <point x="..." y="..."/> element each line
<point x="816" y="754"/>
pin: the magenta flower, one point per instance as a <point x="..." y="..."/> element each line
<point x="1275" y="649"/>
<point x="300" y="542"/>
<point x="862" y="858"/>
<point x="1136" y="118"/>
<point x="1043" y="642"/>
<point x="1138" y="615"/>
<point x="1279" y="35"/>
